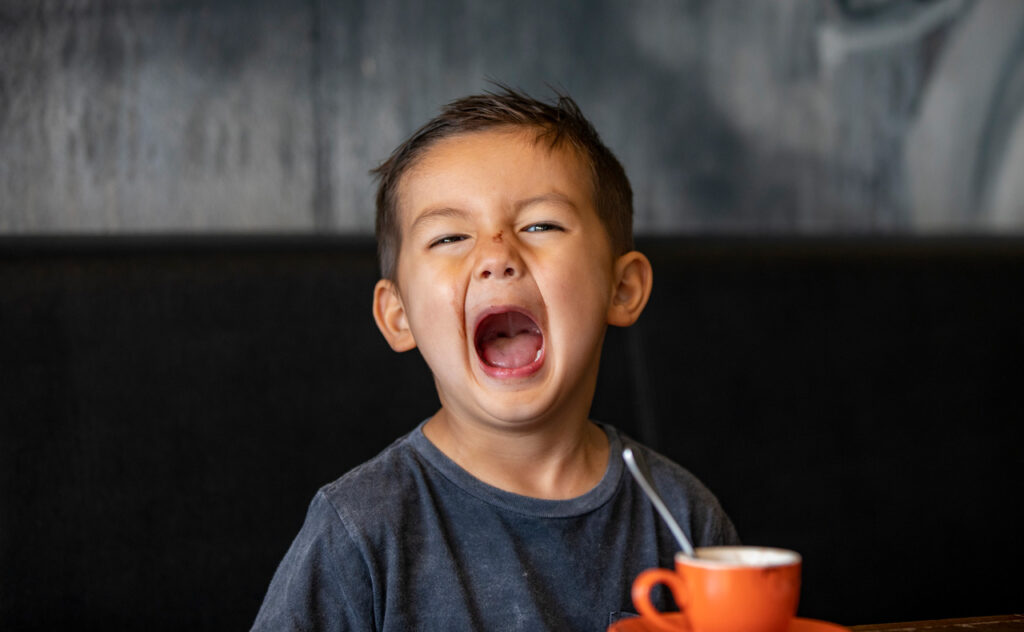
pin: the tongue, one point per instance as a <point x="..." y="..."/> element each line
<point x="510" y="341"/>
<point x="513" y="352"/>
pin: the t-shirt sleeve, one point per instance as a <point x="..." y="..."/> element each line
<point x="711" y="526"/>
<point x="323" y="582"/>
<point x="704" y="519"/>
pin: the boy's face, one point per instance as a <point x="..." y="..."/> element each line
<point x="505" y="277"/>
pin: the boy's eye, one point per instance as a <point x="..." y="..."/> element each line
<point x="447" y="239"/>
<point x="541" y="227"/>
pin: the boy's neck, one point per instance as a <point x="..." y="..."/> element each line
<point x="550" y="461"/>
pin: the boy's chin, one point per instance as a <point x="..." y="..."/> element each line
<point x="523" y="409"/>
<point x="504" y="408"/>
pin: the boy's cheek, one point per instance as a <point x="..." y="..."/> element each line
<point x="458" y="307"/>
<point x="438" y="303"/>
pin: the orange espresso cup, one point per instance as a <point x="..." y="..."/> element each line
<point x="725" y="589"/>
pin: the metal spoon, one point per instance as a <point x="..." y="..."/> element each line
<point x="655" y="499"/>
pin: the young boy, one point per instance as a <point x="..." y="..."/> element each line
<point x="505" y="234"/>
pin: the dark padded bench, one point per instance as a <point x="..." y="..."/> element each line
<point x="169" y="405"/>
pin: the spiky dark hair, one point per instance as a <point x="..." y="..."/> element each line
<point x="559" y="123"/>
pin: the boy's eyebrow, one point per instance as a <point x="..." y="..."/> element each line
<point x="447" y="211"/>
<point x="554" y="196"/>
<point x="435" y="214"/>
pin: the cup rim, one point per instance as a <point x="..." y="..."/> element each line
<point x="792" y="556"/>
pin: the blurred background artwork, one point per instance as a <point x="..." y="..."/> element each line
<point x="735" y="117"/>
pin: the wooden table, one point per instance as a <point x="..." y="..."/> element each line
<point x="1003" y="623"/>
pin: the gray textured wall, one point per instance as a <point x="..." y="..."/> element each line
<point x="730" y="115"/>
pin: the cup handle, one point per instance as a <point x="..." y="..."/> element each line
<point x="642" y="586"/>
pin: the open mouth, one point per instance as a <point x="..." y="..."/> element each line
<point x="509" y="342"/>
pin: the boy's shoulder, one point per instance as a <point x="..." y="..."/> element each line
<point x="376" y="484"/>
<point x="367" y="506"/>
<point x="656" y="464"/>
<point x="661" y="467"/>
<point x="686" y="495"/>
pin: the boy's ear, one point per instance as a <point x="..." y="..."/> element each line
<point x="389" y="313"/>
<point x="633" y="280"/>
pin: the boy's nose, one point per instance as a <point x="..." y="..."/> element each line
<point x="498" y="261"/>
<point x="508" y="273"/>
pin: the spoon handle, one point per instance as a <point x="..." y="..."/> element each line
<point x="655" y="499"/>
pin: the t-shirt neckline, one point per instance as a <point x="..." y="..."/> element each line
<point x="527" y="505"/>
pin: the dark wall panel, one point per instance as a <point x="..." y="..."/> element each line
<point x="169" y="406"/>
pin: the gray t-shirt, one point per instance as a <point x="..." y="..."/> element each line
<point x="411" y="541"/>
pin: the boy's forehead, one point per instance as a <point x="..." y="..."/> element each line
<point x="452" y="155"/>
